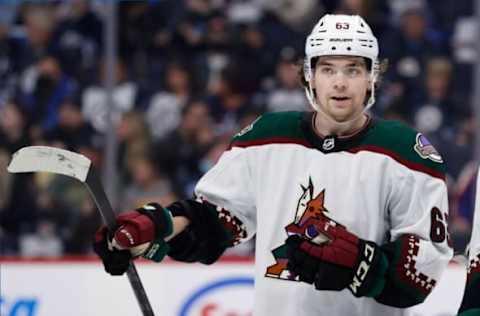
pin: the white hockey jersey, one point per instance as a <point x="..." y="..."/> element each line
<point x="385" y="183"/>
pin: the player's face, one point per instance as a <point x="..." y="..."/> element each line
<point x="341" y="84"/>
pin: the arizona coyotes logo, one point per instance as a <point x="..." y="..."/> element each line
<point x="309" y="207"/>
<point x="426" y="150"/>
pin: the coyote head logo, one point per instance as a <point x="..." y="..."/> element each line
<point x="309" y="207"/>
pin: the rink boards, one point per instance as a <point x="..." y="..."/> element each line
<point x="80" y="287"/>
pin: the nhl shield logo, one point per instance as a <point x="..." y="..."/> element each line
<point x="426" y="150"/>
<point x="328" y="143"/>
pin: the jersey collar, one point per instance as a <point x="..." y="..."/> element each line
<point x="332" y="143"/>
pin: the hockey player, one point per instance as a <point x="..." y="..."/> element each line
<point x="471" y="297"/>
<point x="349" y="212"/>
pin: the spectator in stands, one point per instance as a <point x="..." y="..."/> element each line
<point x="94" y="97"/>
<point x="13" y="123"/>
<point x="148" y="184"/>
<point x="165" y="107"/>
<point x="8" y="244"/>
<point x="72" y="130"/>
<point x="191" y="31"/>
<point x="7" y="76"/>
<point x="155" y="26"/>
<point x="18" y="206"/>
<point x="50" y="220"/>
<point x="180" y="152"/>
<point x="465" y="55"/>
<point x="86" y="221"/>
<point x="51" y="87"/>
<point x="43" y="242"/>
<point x="230" y="97"/>
<point x="135" y="139"/>
<point x="439" y="116"/>
<point x="252" y="50"/>
<point x="78" y="39"/>
<point x="408" y="49"/>
<point x="44" y="237"/>
<point x="297" y="16"/>
<point x="375" y="12"/>
<point x="286" y="94"/>
<point x="34" y="42"/>
<point x="446" y="13"/>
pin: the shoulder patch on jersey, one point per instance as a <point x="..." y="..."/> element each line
<point x="272" y="128"/>
<point x="426" y="150"/>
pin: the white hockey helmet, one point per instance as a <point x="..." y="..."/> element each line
<point x="347" y="35"/>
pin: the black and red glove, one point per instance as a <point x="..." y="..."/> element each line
<point x="140" y="233"/>
<point x="344" y="261"/>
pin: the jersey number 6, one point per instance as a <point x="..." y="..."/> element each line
<point x="438" y="229"/>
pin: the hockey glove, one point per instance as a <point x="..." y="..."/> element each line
<point x="470" y="305"/>
<point x="345" y="261"/>
<point x="139" y="233"/>
<point x="114" y="260"/>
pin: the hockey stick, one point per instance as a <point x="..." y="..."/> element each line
<point x="60" y="161"/>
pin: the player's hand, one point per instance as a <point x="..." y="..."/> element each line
<point x="140" y="233"/>
<point x="345" y="261"/>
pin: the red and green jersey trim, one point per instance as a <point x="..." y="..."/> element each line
<point x="405" y="286"/>
<point x="404" y="145"/>
<point x="273" y="140"/>
<point x="408" y="163"/>
<point x="389" y="138"/>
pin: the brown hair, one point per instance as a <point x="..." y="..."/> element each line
<point x="383" y="65"/>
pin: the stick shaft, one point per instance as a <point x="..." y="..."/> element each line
<point x="97" y="192"/>
<point x="70" y="164"/>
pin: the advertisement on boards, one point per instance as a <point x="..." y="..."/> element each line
<point x="73" y="288"/>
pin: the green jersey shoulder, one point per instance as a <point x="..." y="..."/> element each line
<point x="272" y="126"/>
<point x="404" y="143"/>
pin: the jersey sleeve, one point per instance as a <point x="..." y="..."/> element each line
<point x="471" y="297"/>
<point x="418" y="250"/>
<point x="228" y="186"/>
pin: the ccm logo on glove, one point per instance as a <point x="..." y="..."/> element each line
<point x="363" y="267"/>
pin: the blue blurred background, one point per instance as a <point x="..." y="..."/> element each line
<point x="152" y="91"/>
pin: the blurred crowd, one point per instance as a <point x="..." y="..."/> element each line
<point x="189" y="75"/>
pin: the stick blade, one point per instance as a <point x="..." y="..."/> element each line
<point x="50" y="159"/>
